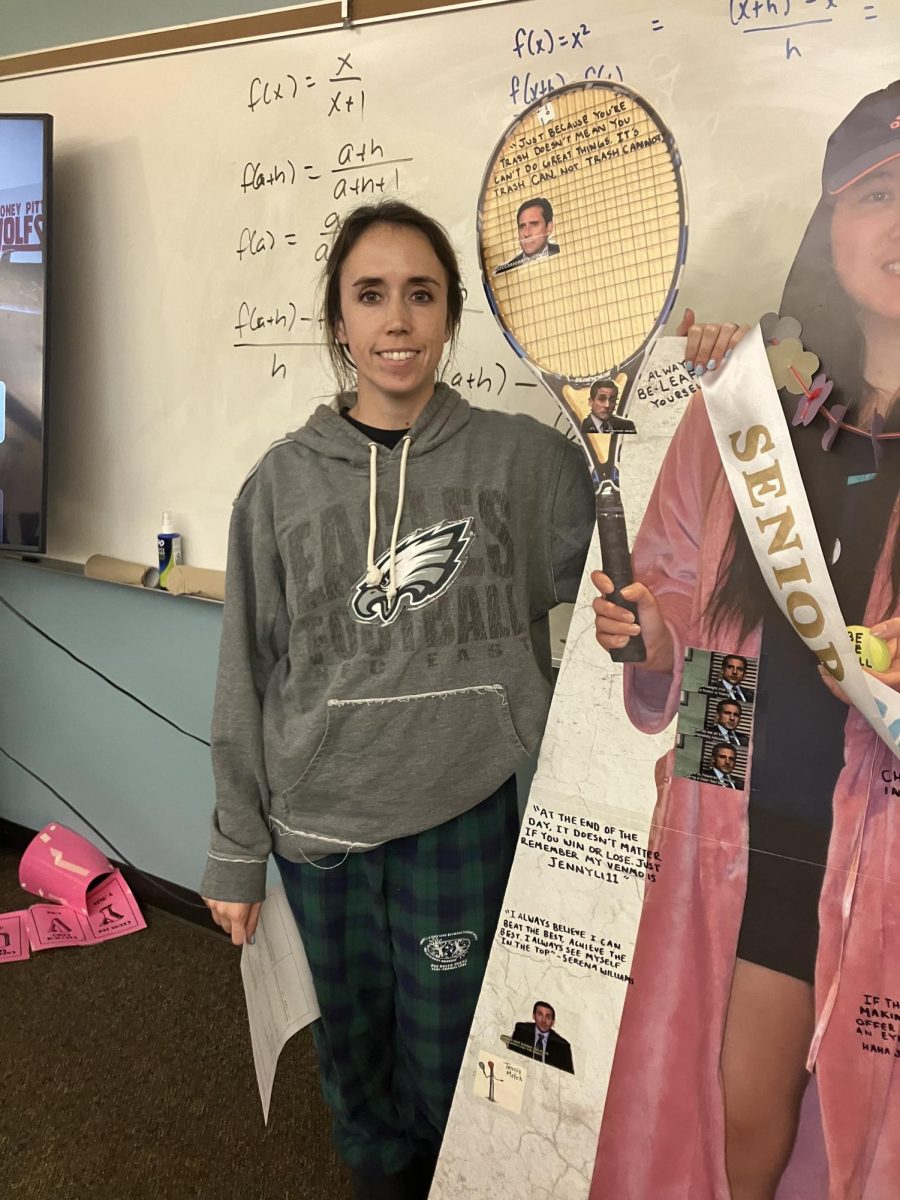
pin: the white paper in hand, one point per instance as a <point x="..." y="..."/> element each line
<point x="278" y="988"/>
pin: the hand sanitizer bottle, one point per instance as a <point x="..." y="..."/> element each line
<point x="168" y="543"/>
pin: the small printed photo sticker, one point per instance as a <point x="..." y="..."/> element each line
<point x="600" y="404"/>
<point x="715" y="718"/>
<point x="721" y="673"/>
<point x="714" y="733"/>
<point x="716" y="763"/>
<point x="720" y="766"/>
<point x="535" y="234"/>
<point x="499" y="1081"/>
<point x="540" y="1039"/>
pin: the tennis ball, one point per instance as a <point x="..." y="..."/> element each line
<point x="873" y="652"/>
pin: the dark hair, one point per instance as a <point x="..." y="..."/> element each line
<point x="607" y="385"/>
<point x="830" y="327"/>
<point x="726" y="701"/>
<point x="721" y="746"/>
<point x="538" y="202"/>
<point x="740" y="658"/>
<point x="543" y="1004"/>
<point x="351" y="229"/>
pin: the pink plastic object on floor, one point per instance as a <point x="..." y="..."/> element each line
<point x="61" y="865"/>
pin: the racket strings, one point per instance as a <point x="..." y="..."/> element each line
<point x="618" y="223"/>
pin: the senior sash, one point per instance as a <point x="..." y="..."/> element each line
<point x="755" y="445"/>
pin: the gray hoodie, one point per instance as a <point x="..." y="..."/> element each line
<point x="357" y="705"/>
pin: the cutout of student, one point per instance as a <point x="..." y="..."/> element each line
<point x="757" y="958"/>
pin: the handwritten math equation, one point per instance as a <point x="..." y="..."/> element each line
<point x="284" y="326"/>
<point x="532" y="42"/>
<point x="358" y="166"/>
<point x="345" y="89"/>
<point x="525" y="89"/>
<point x="528" y="44"/>
<point x="354" y="167"/>
<point x="788" y="16"/>
<point x="756" y="13"/>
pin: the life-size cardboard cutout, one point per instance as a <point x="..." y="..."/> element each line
<point x="786" y="889"/>
<point x="728" y="953"/>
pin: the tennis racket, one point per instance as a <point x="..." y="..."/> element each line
<point x="589" y="289"/>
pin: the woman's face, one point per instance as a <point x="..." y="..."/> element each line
<point x="865" y="241"/>
<point x="394" y="314"/>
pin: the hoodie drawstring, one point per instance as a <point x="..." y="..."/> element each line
<point x="392" y="584"/>
<point x="373" y="574"/>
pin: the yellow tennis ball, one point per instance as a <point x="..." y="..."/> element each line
<point x="873" y="651"/>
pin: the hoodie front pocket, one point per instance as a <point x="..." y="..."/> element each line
<point x="389" y="766"/>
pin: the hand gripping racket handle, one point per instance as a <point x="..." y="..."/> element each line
<point x="617" y="565"/>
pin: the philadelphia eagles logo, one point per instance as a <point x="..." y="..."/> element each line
<point x="427" y="563"/>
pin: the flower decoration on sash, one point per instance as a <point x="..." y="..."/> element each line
<point x="792" y="366"/>
<point x="794" y="369"/>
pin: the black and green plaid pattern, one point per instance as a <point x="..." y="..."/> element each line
<point x="396" y="997"/>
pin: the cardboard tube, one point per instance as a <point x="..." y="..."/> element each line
<point x="116" y="570"/>
<point x="196" y="581"/>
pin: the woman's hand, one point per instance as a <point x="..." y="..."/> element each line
<point x="707" y="345"/>
<point x="888" y="631"/>
<point x="615" y="626"/>
<point x="237" y="919"/>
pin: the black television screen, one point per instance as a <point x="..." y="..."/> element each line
<point x="25" y="148"/>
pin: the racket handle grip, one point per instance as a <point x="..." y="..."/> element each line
<point x="617" y="565"/>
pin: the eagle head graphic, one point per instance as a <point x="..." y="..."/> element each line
<point x="427" y="562"/>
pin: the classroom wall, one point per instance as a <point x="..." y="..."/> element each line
<point x="42" y="24"/>
<point x="137" y="779"/>
<point x="148" y="787"/>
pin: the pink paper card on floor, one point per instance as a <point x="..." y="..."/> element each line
<point x="53" y="925"/>
<point x="112" y="910"/>
<point x="60" y="865"/>
<point x="14" y="936"/>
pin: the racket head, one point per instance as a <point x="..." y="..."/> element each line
<point x="611" y="172"/>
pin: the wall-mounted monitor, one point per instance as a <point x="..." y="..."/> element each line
<point x="25" y="211"/>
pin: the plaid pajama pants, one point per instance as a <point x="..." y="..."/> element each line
<point x="398" y="940"/>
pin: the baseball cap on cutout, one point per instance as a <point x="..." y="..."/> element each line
<point x="868" y="137"/>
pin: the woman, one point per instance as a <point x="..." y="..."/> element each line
<point x="384" y="669"/>
<point x="768" y="958"/>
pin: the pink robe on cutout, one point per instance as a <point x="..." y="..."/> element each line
<point x="663" y="1131"/>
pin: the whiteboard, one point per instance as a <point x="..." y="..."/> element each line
<point x="165" y="387"/>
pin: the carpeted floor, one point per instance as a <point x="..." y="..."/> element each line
<point x="126" y="1073"/>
